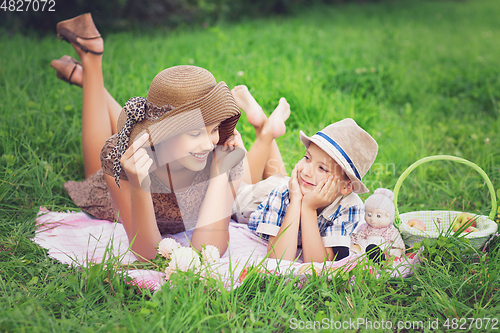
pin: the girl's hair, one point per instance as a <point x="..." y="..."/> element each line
<point x="382" y="198"/>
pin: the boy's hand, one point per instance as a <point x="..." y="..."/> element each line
<point x="323" y="194"/>
<point x="294" y="187"/>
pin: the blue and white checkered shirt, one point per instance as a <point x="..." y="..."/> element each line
<point x="335" y="223"/>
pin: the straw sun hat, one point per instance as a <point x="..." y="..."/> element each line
<point x="350" y="146"/>
<point x="180" y="99"/>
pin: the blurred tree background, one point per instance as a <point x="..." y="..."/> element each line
<point x="119" y="15"/>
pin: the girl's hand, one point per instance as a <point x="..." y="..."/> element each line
<point x="227" y="155"/>
<point x="294" y="187"/>
<point x="136" y="163"/>
<point x="323" y="194"/>
<point x="233" y="142"/>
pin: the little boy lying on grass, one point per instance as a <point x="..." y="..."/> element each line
<point x="318" y="208"/>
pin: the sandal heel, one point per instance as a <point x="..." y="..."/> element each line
<point x="79" y="27"/>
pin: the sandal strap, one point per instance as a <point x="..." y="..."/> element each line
<point x="71" y="75"/>
<point x="70" y="37"/>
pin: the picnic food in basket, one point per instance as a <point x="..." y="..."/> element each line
<point x="440" y="222"/>
<point x="465" y="219"/>
<point x="417" y="224"/>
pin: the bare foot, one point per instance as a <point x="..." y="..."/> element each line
<point x="275" y="124"/>
<point x="245" y="101"/>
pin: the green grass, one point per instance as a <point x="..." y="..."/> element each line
<point x="422" y="77"/>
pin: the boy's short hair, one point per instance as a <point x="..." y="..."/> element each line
<point x="350" y="146"/>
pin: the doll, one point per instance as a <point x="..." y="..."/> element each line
<point x="379" y="237"/>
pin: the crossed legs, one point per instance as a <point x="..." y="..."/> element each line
<point x="100" y="110"/>
<point x="100" y="113"/>
<point x="264" y="157"/>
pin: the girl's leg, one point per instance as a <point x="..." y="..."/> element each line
<point x="114" y="110"/>
<point x="264" y="158"/>
<point x="113" y="107"/>
<point x="96" y="125"/>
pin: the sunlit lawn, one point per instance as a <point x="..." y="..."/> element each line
<point x="421" y="77"/>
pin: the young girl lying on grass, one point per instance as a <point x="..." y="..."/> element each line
<point x="170" y="161"/>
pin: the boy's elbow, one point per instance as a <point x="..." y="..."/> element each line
<point x="276" y="252"/>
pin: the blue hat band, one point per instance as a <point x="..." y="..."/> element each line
<point x="341" y="151"/>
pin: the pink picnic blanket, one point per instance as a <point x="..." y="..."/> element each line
<point x="76" y="239"/>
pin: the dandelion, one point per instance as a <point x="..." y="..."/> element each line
<point x="240" y="73"/>
<point x="167" y="246"/>
<point x="207" y="272"/>
<point x="210" y="255"/>
<point x="184" y="258"/>
<point x="168" y="272"/>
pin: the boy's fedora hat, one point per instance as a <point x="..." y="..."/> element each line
<point x="350" y="146"/>
<point x="180" y="99"/>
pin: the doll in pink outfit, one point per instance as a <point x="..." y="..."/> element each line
<point x="379" y="237"/>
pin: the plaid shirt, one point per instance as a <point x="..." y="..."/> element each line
<point x="335" y="223"/>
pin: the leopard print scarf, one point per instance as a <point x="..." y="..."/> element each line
<point x="136" y="111"/>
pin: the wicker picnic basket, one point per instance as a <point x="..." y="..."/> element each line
<point x="438" y="222"/>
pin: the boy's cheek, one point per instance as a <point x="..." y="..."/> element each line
<point x="300" y="167"/>
<point x="339" y="184"/>
<point x="302" y="188"/>
<point x="300" y="164"/>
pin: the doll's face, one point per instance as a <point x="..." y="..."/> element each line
<point x="317" y="165"/>
<point x="377" y="218"/>
<point x="189" y="150"/>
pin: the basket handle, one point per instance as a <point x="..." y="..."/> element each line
<point x="447" y="158"/>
